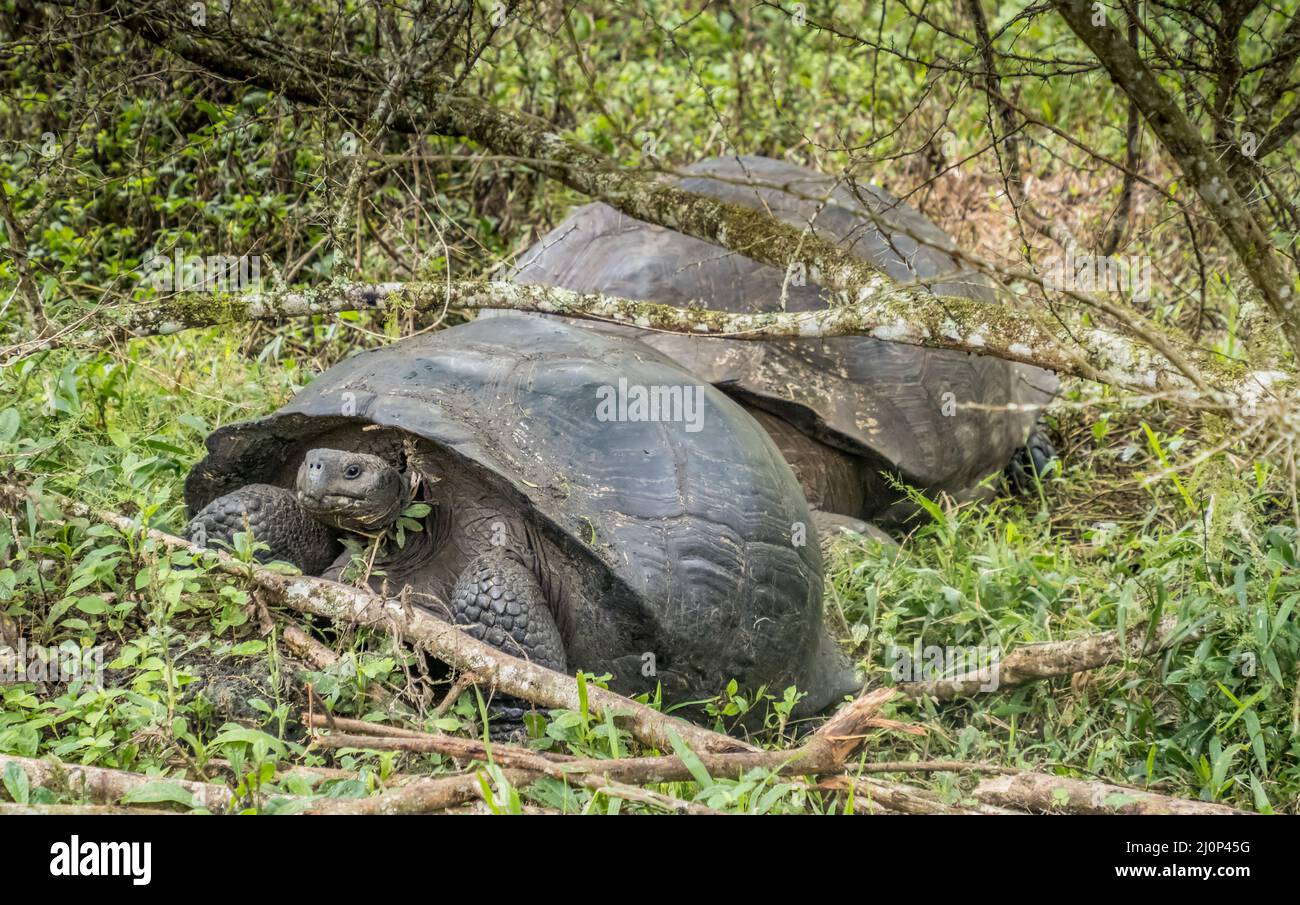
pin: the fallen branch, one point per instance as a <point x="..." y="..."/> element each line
<point x="422" y="797"/>
<point x="9" y="809"/>
<point x="102" y="785"/>
<point x="501" y="671"/>
<point x="510" y="675"/>
<point x="481" y="808"/>
<point x="1045" y="794"/>
<point x="308" y="648"/>
<point x="825" y="752"/>
<point x="931" y="766"/>
<point x="1034" y="662"/>
<point x="889" y="725"/>
<point x="910" y="315"/>
<point x="894" y="797"/>
<point x="315" y="775"/>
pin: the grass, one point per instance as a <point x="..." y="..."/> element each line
<point x="1213" y="719"/>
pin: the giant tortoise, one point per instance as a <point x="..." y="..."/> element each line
<point x="853" y="415"/>
<point x="593" y="506"/>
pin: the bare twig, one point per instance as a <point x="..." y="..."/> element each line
<point x="1057" y="658"/>
<point x="106" y="786"/>
<point x="1041" y="793"/>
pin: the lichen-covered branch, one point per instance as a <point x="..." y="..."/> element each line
<point x="1035" y="662"/>
<point x="105" y="786"/>
<point x="904" y="314"/>
<point x="1043" y="794"/>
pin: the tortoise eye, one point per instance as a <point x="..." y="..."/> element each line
<point x="352" y="471"/>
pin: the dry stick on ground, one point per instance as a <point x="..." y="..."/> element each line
<point x="1051" y="659"/>
<point x="463" y="681"/>
<point x="106" y="786"/>
<point x="825" y="752"/>
<point x="908" y="314"/>
<point x="353" y="733"/>
<point x="1023" y="791"/>
<point x="341" y="603"/>
<point x="307" y="647"/>
<point x="1042" y="793"/>
<point x="894" y="797"/>
<point x="422" y="797"/>
<point x="932" y="766"/>
<point x="440" y="793"/>
<point x="318" y="774"/>
<point x="481" y="808"/>
<point x="8" y="809"/>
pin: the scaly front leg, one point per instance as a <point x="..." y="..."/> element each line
<point x="274" y="517"/>
<point x="498" y="601"/>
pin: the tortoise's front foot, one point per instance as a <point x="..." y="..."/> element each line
<point x="1031" y="462"/>
<point x="274" y="517"/>
<point x="498" y="601"/>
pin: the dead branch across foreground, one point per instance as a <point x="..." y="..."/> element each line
<point x="826" y="753"/>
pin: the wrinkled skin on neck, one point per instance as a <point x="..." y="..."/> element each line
<point x="351" y="491"/>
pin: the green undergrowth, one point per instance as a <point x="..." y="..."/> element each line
<point x="194" y="687"/>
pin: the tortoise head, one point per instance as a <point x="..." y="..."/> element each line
<point x="351" y="491"/>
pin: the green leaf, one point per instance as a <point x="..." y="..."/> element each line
<point x="92" y="606"/>
<point x="1256" y="740"/>
<point x="233" y="733"/>
<point x="207" y="107"/>
<point x="689" y="758"/>
<point x="9" y="423"/>
<point x="159" y="791"/>
<point x="16" y="783"/>
<point x="1262" y="804"/>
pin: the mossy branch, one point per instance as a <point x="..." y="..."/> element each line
<point x="879" y="306"/>
<point x="905" y="314"/>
